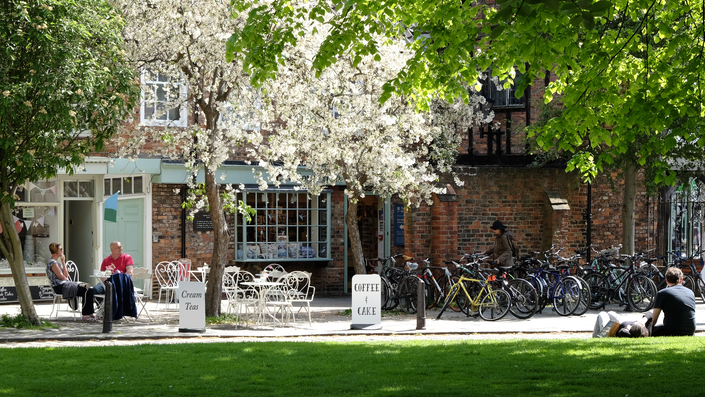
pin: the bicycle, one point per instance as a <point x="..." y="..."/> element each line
<point x="692" y="279"/>
<point x="558" y="287"/>
<point x="613" y="282"/>
<point x="524" y="297"/>
<point x="489" y="303"/>
<point x="573" y="263"/>
<point x="555" y="285"/>
<point x="390" y="278"/>
<point x="436" y="288"/>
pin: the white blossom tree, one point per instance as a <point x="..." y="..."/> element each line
<point x="180" y="45"/>
<point x="334" y="126"/>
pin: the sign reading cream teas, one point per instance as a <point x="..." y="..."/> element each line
<point x="192" y="306"/>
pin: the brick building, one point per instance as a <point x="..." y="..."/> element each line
<point x="543" y="206"/>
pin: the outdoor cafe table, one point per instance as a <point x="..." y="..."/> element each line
<point x="200" y="274"/>
<point x="265" y="288"/>
<point x="100" y="276"/>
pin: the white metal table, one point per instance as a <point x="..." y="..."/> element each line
<point x="267" y="290"/>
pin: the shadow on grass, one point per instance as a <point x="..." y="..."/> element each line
<point x="592" y="367"/>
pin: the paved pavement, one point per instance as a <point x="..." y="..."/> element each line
<point x="330" y="322"/>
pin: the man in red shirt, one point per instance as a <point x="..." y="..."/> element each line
<point x="117" y="261"/>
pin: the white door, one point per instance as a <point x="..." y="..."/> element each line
<point x="129" y="230"/>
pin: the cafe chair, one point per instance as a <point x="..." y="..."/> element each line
<point x="274" y="267"/>
<point x="58" y="299"/>
<point x="299" y="291"/>
<point x="167" y="274"/>
<point x="142" y="273"/>
<point x="240" y="301"/>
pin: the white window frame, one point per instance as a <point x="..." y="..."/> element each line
<point x="276" y="215"/>
<point x="144" y="102"/>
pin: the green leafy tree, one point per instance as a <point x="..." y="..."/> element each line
<point x="64" y="88"/>
<point x="628" y="72"/>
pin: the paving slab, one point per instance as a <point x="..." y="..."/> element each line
<point x="330" y="321"/>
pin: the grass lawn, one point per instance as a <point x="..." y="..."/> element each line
<point x="527" y="367"/>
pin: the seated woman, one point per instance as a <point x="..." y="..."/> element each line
<point x="58" y="275"/>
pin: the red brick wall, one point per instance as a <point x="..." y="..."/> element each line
<point x="417" y="232"/>
<point x="327" y="277"/>
<point x="444" y="228"/>
<point x="517" y="197"/>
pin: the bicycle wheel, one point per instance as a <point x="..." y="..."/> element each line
<point x="700" y="287"/>
<point x="459" y="304"/>
<point x="407" y="294"/>
<point x="599" y="290"/>
<point x="539" y="285"/>
<point x="688" y="282"/>
<point x="450" y="297"/>
<point x="641" y="293"/>
<point x="495" y="305"/>
<point x="566" y="296"/>
<point x="389" y="300"/>
<point x="584" y="303"/>
<point x="434" y="296"/>
<point x="525" y="299"/>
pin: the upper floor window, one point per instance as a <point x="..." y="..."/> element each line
<point x="163" y="101"/>
<point x="501" y="96"/>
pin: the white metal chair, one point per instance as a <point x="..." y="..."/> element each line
<point x="59" y="299"/>
<point x="240" y="301"/>
<point x="274" y="267"/>
<point x="296" y="289"/>
<point x="142" y="273"/>
<point x="167" y="274"/>
<point x="304" y="292"/>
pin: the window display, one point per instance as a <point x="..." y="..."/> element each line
<point x="288" y="226"/>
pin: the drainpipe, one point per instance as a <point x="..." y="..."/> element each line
<point x="589" y="221"/>
<point x="183" y="225"/>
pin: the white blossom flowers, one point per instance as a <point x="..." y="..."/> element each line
<point x="335" y="127"/>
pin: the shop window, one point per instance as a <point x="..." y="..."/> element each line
<point x="37" y="228"/>
<point x="38" y="192"/>
<point x="288" y="226"/>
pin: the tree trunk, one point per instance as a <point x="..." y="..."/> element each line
<point x="354" y="237"/>
<point x="220" y="246"/>
<point x="12" y="249"/>
<point x="630" y="170"/>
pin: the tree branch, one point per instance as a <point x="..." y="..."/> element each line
<point x="637" y="30"/>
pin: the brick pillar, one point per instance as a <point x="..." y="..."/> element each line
<point x="556" y="220"/>
<point x="444" y="228"/>
<point x="417" y="232"/>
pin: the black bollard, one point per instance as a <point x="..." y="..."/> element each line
<point x="108" y="308"/>
<point x="421" y="305"/>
